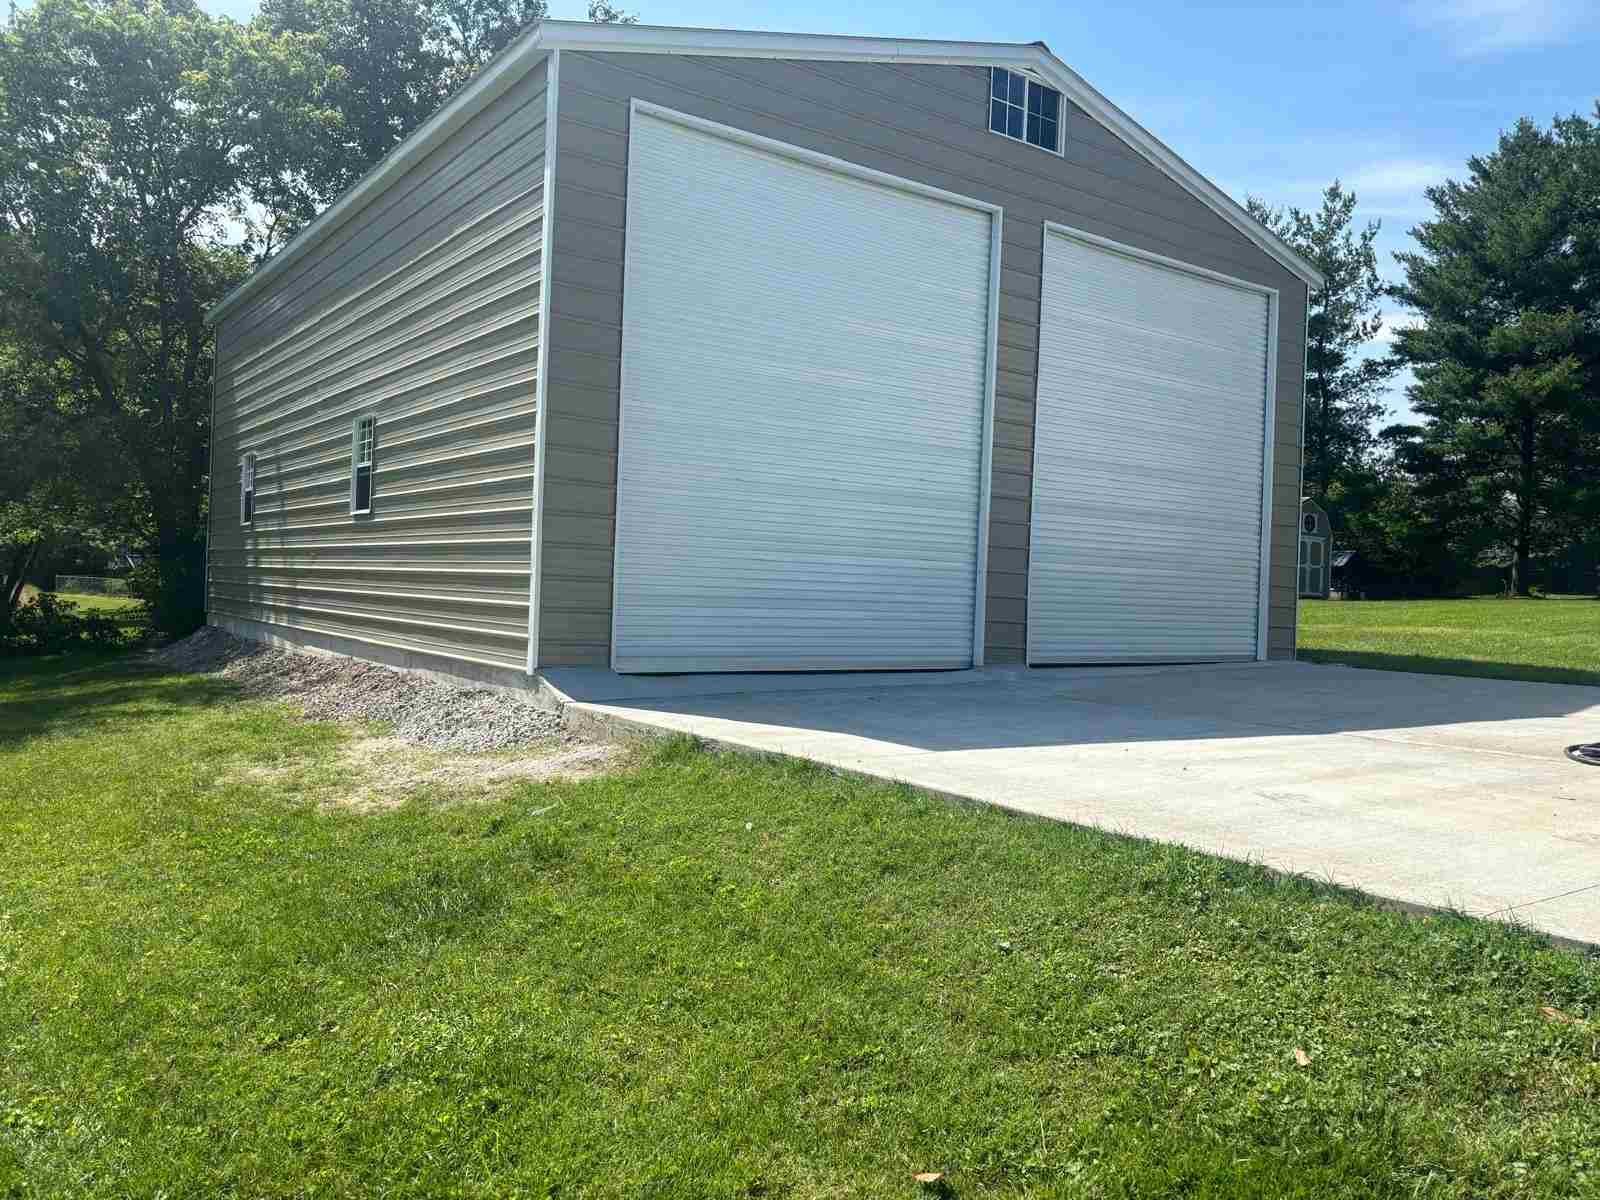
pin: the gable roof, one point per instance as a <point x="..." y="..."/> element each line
<point x="532" y="45"/>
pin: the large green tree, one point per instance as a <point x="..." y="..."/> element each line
<point x="149" y="155"/>
<point x="1506" y="281"/>
<point x="134" y="137"/>
<point x="394" y="62"/>
<point x="1344" y="379"/>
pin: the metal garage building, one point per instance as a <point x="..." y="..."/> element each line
<point x="686" y="350"/>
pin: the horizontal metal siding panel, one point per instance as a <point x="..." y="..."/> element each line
<point x="921" y="122"/>
<point x="424" y="312"/>
<point x="803" y="393"/>
<point x="1147" y="517"/>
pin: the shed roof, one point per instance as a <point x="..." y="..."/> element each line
<point x="538" y="40"/>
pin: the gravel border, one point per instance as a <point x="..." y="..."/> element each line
<point x="421" y="710"/>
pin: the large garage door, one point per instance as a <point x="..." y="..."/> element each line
<point x="801" y="453"/>
<point x="1147" y="540"/>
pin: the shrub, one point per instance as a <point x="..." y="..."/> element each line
<point x="47" y="624"/>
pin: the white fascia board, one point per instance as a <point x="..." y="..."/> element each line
<point x="1029" y="56"/>
<point x="1165" y="159"/>
<point x="510" y="64"/>
<point x="738" y="43"/>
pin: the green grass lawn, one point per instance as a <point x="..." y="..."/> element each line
<point x="94" y="602"/>
<point x="1553" y="641"/>
<point x="707" y="976"/>
<point x="128" y="613"/>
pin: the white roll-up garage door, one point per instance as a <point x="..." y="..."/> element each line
<point x="1149" y="460"/>
<point x="802" y="446"/>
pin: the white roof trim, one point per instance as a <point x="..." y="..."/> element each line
<point x="511" y="63"/>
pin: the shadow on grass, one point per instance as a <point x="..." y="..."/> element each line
<point x="79" y="693"/>
<point x="1425" y="664"/>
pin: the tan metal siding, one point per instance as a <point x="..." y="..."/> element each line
<point x="423" y="310"/>
<point x="926" y="123"/>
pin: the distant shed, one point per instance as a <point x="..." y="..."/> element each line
<point x="1316" y="550"/>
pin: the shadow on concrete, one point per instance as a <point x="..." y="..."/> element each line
<point x="1013" y="708"/>
<point x="1470" y="667"/>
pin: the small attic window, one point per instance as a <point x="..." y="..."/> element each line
<point x="1024" y="109"/>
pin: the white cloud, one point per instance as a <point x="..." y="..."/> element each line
<point x="1476" y="27"/>
<point x="1393" y="322"/>
<point x="1397" y="177"/>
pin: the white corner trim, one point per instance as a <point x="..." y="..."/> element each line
<point x="1268" y="467"/>
<point x="541" y="383"/>
<point x="1300" y="489"/>
<point x="510" y="64"/>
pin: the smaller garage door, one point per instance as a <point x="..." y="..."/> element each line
<point x="1149" y="460"/>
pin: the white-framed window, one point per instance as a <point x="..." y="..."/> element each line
<point x="1024" y="109"/>
<point x="247" y="489"/>
<point x="363" y="441"/>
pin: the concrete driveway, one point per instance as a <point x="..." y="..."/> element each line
<point x="1429" y="790"/>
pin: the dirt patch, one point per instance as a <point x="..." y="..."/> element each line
<point x="386" y="771"/>
<point x="371" y="774"/>
<point x="473" y="741"/>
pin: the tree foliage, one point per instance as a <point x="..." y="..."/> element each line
<point x="149" y="155"/>
<point x="130" y="135"/>
<point x="1506" y="280"/>
<point x="1344" y="386"/>
<point x="393" y="62"/>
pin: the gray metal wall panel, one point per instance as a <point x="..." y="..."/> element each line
<point x="927" y="123"/>
<point x="422" y="309"/>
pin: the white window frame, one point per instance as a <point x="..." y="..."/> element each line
<point x="356" y="462"/>
<point x="247" y="488"/>
<point x="1061" y="111"/>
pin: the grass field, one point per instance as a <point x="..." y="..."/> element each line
<point x="1553" y="641"/>
<point x="708" y="976"/>
<point x="127" y="612"/>
<point x="124" y="610"/>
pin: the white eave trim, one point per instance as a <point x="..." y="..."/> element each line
<point x="511" y="63"/>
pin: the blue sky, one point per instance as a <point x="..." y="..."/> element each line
<point x="1270" y="99"/>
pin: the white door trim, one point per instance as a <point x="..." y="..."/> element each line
<point x="1269" y="432"/>
<point x="638" y="107"/>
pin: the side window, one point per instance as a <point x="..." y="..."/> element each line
<point x="363" y="441"/>
<point x="247" y="489"/>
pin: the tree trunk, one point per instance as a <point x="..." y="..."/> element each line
<point x="1527" y="501"/>
<point x="16" y="577"/>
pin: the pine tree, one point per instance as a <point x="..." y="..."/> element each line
<point x="1343" y="387"/>
<point x="1507" y="357"/>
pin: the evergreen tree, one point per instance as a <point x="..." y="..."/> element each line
<point x="1343" y="386"/>
<point x="1507" y="357"/>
